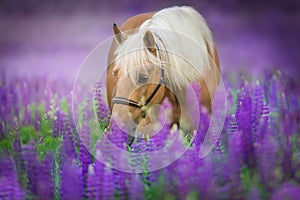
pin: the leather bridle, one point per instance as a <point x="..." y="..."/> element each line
<point x="129" y="102"/>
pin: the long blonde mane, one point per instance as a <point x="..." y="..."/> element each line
<point x="183" y="39"/>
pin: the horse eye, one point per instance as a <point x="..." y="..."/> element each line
<point x="143" y="78"/>
<point x="115" y="73"/>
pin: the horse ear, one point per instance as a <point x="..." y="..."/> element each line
<point x="149" y="41"/>
<point x="119" y="36"/>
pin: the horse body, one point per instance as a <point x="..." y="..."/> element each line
<point x="120" y="78"/>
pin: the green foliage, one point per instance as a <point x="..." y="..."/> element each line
<point x="48" y="144"/>
<point x="81" y="108"/>
<point x="6" y="145"/>
<point x="27" y="133"/>
<point x="64" y="105"/>
<point x="156" y="190"/>
<point x="41" y="109"/>
<point x="295" y="142"/>
<point x="46" y="127"/>
<point x="21" y="114"/>
<point x="234" y="95"/>
<point x="250" y="179"/>
<point x="188" y="139"/>
<point x="32" y="109"/>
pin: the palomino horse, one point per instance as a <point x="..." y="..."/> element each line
<point x="142" y="70"/>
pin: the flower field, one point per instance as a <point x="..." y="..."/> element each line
<point x="42" y="156"/>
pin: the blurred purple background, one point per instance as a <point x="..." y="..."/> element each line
<point x="52" y="38"/>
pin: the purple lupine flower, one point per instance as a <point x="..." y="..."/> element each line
<point x="105" y="151"/>
<point x="286" y="162"/>
<point x="2" y="129"/>
<point x="67" y="133"/>
<point x="108" y="184"/>
<point x="87" y="108"/>
<point x="39" y="173"/>
<point x="221" y="169"/>
<point x="263" y="124"/>
<point x="136" y="161"/>
<point x="21" y="170"/>
<point x="135" y="188"/>
<point x="120" y="179"/>
<point x="243" y="116"/>
<point x="244" y="109"/>
<point x="257" y="106"/>
<point x="235" y="157"/>
<point x="92" y="184"/>
<point x="286" y="127"/>
<point x="233" y="125"/>
<point x="16" y="102"/>
<point x="75" y="134"/>
<point x="118" y="137"/>
<point x="287" y="191"/>
<point x="283" y="104"/>
<point x="99" y="170"/>
<point x="267" y="161"/>
<point x="25" y="92"/>
<point x="9" y="106"/>
<point x="254" y="193"/>
<point x="206" y="179"/>
<point x="85" y="156"/>
<point x="202" y="128"/>
<point x="169" y="175"/>
<point x="4" y="94"/>
<point x="31" y="164"/>
<point x="218" y="148"/>
<point x="158" y="141"/>
<point x="45" y="183"/>
<point x="280" y="112"/>
<point x="273" y="94"/>
<point x="9" y="186"/>
<point x="3" y="76"/>
<point x="17" y="147"/>
<point x="71" y="180"/>
<point x="101" y="107"/>
<point x="188" y="172"/>
<point x="58" y="124"/>
<point x="294" y="111"/>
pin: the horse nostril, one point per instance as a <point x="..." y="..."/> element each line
<point x="144" y="113"/>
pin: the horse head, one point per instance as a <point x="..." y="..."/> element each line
<point x="139" y="86"/>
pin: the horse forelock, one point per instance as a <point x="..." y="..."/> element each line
<point x="132" y="56"/>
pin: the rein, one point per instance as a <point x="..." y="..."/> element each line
<point x="129" y="102"/>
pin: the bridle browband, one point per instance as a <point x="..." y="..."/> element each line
<point x="129" y="102"/>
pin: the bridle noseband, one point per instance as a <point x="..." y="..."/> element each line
<point x="129" y="102"/>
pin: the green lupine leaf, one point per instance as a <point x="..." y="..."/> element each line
<point x="27" y="133"/>
<point x="48" y="144"/>
<point x="64" y="105"/>
<point x="46" y="127"/>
